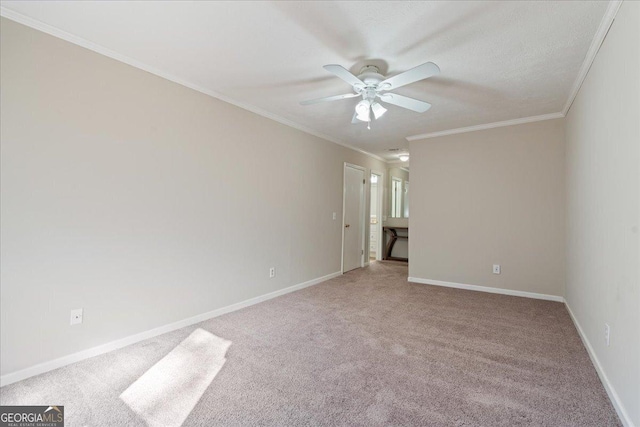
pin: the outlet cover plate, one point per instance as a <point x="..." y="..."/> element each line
<point x="76" y="317"/>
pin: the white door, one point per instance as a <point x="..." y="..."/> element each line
<point x="353" y="224"/>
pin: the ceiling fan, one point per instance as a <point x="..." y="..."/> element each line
<point x="371" y="86"/>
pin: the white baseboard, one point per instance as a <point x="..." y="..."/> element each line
<point x="611" y="392"/>
<point x="486" y="289"/>
<point x="132" y="339"/>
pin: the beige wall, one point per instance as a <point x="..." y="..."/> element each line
<point x="144" y="202"/>
<point x="603" y="186"/>
<point x="490" y="197"/>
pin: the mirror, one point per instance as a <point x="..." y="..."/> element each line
<point x="398" y="192"/>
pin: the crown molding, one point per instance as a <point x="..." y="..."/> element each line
<point x="598" y="38"/>
<point x="56" y="32"/>
<point x="486" y="126"/>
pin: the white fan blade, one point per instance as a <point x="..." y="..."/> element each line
<point x="405" y="102"/>
<point x="344" y="74"/>
<point x="413" y="75"/>
<point x="329" y="98"/>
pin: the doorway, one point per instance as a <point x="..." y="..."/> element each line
<point x="375" y="216"/>
<point x="353" y="218"/>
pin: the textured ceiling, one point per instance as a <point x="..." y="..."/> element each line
<point x="499" y="60"/>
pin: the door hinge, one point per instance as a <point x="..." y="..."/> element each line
<point x="362" y="252"/>
<point x="364" y="182"/>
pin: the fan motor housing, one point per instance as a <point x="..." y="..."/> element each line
<point x="370" y="75"/>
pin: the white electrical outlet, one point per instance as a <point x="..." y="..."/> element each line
<point x="334" y="216"/>
<point x="76" y="317"/>
<point x="272" y="272"/>
<point x="496" y="268"/>
<point x="607" y="334"/>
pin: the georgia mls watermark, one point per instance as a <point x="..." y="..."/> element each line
<point x="31" y="416"/>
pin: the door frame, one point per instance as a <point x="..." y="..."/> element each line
<point x="379" y="209"/>
<point x="405" y="205"/>
<point x="362" y="214"/>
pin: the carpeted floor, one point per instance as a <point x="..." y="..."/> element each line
<point x="364" y="349"/>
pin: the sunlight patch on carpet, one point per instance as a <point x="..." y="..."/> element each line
<point x="166" y="394"/>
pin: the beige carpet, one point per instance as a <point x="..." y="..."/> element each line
<point x="364" y="349"/>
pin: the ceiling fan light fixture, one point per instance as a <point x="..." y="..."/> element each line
<point x="363" y="110"/>
<point x="378" y="110"/>
<point x="366" y="117"/>
<point x="372" y="85"/>
<point x="403" y="157"/>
